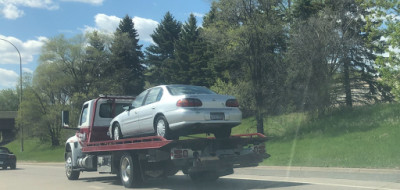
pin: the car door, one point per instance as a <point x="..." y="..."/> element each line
<point x="149" y="109"/>
<point x="130" y="119"/>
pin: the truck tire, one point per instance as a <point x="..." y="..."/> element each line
<point x="129" y="171"/>
<point x="117" y="132"/>
<point x="162" y="127"/>
<point x="223" y="133"/>
<point x="71" y="174"/>
<point x="206" y="176"/>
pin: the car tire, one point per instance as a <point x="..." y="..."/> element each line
<point x="162" y="127"/>
<point x="117" y="135"/>
<point x="4" y="167"/>
<point x="71" y="174"/>
<point x="223" y="133"/>
<point x="14" y="166"/>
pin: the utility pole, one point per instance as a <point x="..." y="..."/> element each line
<point x="20" y="97"/>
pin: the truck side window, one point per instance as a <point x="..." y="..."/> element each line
<point x="84" y="115"/>
<point x="106" y="110"/>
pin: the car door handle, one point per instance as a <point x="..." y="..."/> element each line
<point x="153" y="108"/>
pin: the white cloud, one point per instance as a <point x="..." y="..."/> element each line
<point x="11" y="9"/>
<point x="8" y="78"/>
<point x="12" y="12"/>
<point x="145" y="28"/>
<point x="8" y="55"/>
<point x="27" y="49"/>
<point x="27" y="70"/>
<point x="108" y="24"/>
<point x="198" y="14"/>
<point x="93" y="2"/>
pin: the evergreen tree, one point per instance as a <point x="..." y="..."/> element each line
<point x="357" y="57"/>
<point x="97" y="56"/>
<point x="388" y="61"/>
<point x="127" y="58"/>
<point x="250" y="37"/>
<point x="160" y="55"/>
<point x="191" y="57"/>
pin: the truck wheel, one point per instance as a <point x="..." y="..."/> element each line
<point x="223" y="133"/>
<point x="117" y="132"/>
<point x="206" y="176"/>
<point x="71" y="175"/>
<point x="129" y="171"/>
<point x="162" y="127"/>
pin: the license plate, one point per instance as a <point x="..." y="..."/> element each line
<point x="217" y="116"/>
<point x="1" y="162"/>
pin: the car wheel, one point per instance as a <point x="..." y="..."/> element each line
<point x="14" y="166"/>
<point x="162" y="127"/>
<point x="117" y="132"/>
<point x="223" y="133"/>
<point x="71" y="174"/>
<point x="4" y="167"/>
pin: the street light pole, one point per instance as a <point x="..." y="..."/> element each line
<point x="20" y="98"/>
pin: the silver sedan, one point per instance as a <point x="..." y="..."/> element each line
<point x="171" y="111"/>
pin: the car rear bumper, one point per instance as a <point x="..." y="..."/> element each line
<point x="201" y="119"/>
<point x="7" y="162"/>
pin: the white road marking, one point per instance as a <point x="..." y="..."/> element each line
<point x="323" y="181"/>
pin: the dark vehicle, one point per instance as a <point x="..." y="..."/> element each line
<point x="7" y="158"/>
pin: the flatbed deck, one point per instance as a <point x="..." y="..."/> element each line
<point x="156" y="142"/>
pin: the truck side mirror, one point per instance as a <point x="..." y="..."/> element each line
<point x="65" y="119"/>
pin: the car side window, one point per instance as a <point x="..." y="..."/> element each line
<point x="139" y="99"/>
<point x="153" y="96"/>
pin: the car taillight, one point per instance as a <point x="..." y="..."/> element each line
<point x="189" y="102"/>
<point x="232" y="103"/>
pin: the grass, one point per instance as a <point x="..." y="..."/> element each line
<point x="36" y="151"/>
<point x="365" y="137"/>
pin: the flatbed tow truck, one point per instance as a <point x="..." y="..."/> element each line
<point x="135" y="160"/>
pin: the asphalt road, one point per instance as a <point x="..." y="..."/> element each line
<point x="31" y="176"/>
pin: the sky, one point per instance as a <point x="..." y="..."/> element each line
<point x="28" y="24"/>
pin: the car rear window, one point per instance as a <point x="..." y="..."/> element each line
<point x="182" y="90"/>
<point x="3" y="150"/>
